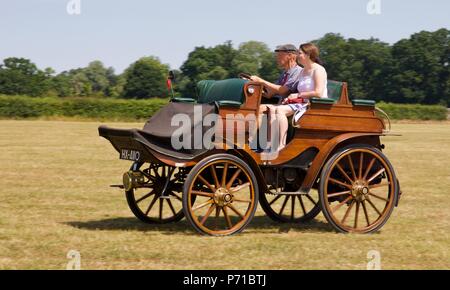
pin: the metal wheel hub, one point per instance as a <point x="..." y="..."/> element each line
<point x="360" y="190"/>
<point x="223" y="197"/>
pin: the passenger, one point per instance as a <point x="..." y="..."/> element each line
<point x="312" y="82"/>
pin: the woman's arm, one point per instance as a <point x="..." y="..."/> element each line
<point x="273" y="88"/>
<point x="320" y="77"/>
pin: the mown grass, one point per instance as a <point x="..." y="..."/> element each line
<point x="55" y="197"/>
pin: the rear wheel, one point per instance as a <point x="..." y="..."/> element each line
<point x="290" y="208"/>
<point x="220" y="195"/>
<point x="148" y="203"/>
<point x="358" y="189"/>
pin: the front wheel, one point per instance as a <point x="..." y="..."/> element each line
<point x="358" y="189"/>
<point x="220" y="195"/>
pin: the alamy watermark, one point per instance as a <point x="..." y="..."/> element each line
<point x="74" y="260"/>
<point x="374" y="7"/>
<point x="374" y="260"/>
<point x="235" y="131"/>
<point x="74" y="7"/>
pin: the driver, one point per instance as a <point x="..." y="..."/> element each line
<point x="286" y="56"/>
<point x="287" y="83"/>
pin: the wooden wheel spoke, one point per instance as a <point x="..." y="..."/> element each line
<point x="356" y="215"/>
<point x="235" y="175"/>
<point x="240" y="187"/>
<point x="275" y="199"/>
<point x="208" y="213"/>
<point x="151" y="205"/>
<point x="171" y="207"/>
<point x="161" y="208"/>
<point x="149" y="176"/>
<point x="201" y="193"/>
<point x="203" y="205"/>
<point x="361" y="161"/>
<point x="311" y="199"/>
<point x="379" y="185"/>
<point x="284" y="205"/>
<point x="352" y="168"/>
<point x="242" y="200"/>
<point x="227" y="217"/>
<point x="224" y="174"/>
<point x="373" y="206"/>
<point x="214" y="174"/>
<point x="365" y="212"/>
<point x="336" y="208"/>
<point x="176" y="196"/>
<point x="339" y="193"/>
<point x="155" y="170"/>
<point x="348" y="212"/>
<point x="145" y="197"/>
<point x="369" y="168"/>
<point x="205" y="182"/>
<point x="302" y="204"/>
<point x="344" y="173"/>
<point x="378" y="197"/>
<point x="216" y="220"/>
<point x="376" y="174"/>
<point x="236" y="211"/>
<point x="335" y="181"/>
<point x="292" y="208"/>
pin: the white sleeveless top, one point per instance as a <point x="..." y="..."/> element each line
<point x="307" y="84"/>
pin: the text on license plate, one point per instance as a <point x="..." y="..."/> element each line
<point x="132" y="155"/>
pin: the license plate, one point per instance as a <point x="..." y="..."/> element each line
<point x="131" y="155"/>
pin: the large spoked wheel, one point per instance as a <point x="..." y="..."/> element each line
<point x="358" y="189"/>
<point x="148" y="203"/>
<point x="220" y="195"/>
<point x="290" y="208"/>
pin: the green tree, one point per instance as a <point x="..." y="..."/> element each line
<point x="100" y="78"/>
<point x="250" y="56"/>
<point x="364" y="64"/>
<point x="19" y="76"/>
<point x="207" y="63"/>
<point x="269" y="68"/>
<point x="61" y="85"/>
<point x="146" y="78"/>
<point x="421" y="68"/>
<point x="93" y="80"/>
<point x="256" y="58"/>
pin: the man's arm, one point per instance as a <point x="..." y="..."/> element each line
<point x="272" y="88"/>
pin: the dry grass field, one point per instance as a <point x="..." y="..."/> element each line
<point x="55" y="197"/>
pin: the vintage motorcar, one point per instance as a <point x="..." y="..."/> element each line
<point x="333" y="163"/>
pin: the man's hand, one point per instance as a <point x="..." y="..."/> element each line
<point x="256" y="79"/>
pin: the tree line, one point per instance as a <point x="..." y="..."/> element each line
<point x="413" y="70"/>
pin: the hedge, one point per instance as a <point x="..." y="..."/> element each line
<point x="21" y="107"/>
<point x="414" y="111"/>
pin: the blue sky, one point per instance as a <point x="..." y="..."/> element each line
<point x="120" y="32"/>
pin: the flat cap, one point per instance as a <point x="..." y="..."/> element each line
<point x="286" y="48"/>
